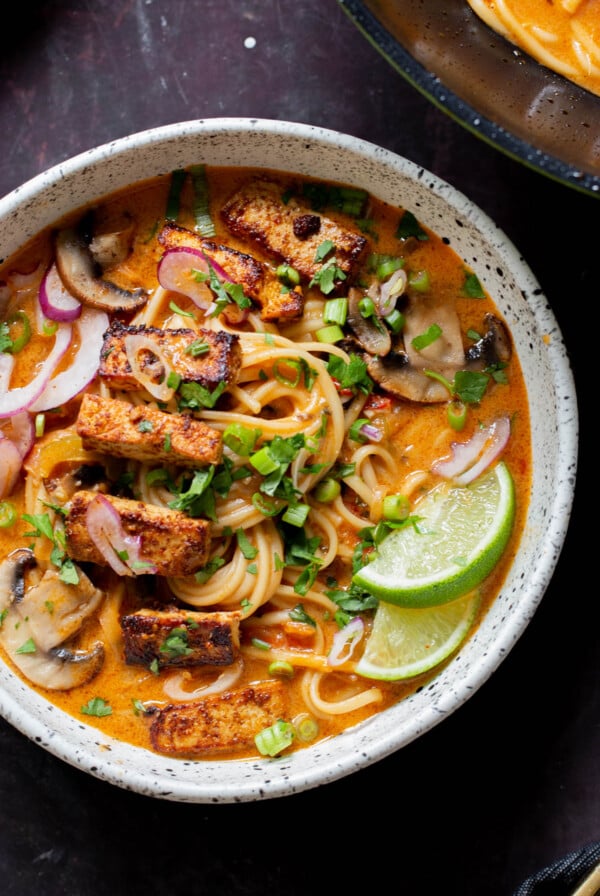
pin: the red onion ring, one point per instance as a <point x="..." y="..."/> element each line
<point x="345" y="641"/>
<point x="390" y="291"/>
<point x="469" y="459"/>
<point x="13" y="401"/>
<point x="106" y="531"/>
<point x="55" y="300"/>
<point x="66" y="385"/>
<point x="134" y="344"/>
<point x="370" y="432"/>
<point x="175" y="274"/>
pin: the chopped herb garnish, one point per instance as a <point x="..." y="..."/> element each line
<point x="472" y="287"/>
<point x="409" y="226"/>
<point x="96" y="707"/>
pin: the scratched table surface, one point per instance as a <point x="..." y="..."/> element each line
<point x="509" y="782"/>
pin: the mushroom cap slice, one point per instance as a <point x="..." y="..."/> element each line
<point x="402" y="371"/>
<point x="42" y="615"/>
<point x="372" y="335"/>
<point x="79" y="273"/>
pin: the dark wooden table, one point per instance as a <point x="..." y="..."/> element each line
<point x="510" y="781"/>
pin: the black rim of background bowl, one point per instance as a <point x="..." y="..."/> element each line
<point x="431" y="85"/>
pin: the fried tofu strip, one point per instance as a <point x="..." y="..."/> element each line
<point x="181" y="638"/>
<point x="220" y="363"/>
<point x="144" y="433"/>
<point x="290" y="231"/>
<point x="175" y="543"/>
<point x="257" y="280"/>
<point x="219" y="721"/>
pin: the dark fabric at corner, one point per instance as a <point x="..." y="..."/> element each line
<point x="561" y="877"/>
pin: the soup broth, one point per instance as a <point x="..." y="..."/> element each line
<point x="204" y="434"/>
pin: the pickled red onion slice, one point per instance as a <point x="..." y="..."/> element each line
<point x="66" y="385"/>
<point x="122" y="552"/>
<point x="176" y="273"/>
<point x="13" y="401"/>
<point x="55" y="300"/>
<point x="469" y="459"/>
<point x="345" y="642"/>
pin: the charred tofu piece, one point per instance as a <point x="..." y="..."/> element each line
<point x="221" y="363"/>
<point x="146" y="434"/>
<point x="290" y="231"/>
<point x="219" y="721"/>
<point x="173" y="542"/>
<point x="181" y="638"/>
<point x="257" y="280"/>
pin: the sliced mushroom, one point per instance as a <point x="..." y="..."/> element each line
<point x="493" y="347"/>
<point x="111" y="247"/>
<point x="402" y="371"/>
<point x="41" y="616"/>
<point x="371" y="333"/>
<point x="82" y="276"/>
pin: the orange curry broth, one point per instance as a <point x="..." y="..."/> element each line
<point x="120" y="685"/>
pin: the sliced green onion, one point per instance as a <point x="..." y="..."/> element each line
<point x="395" y="320"/>
<point x="173" y="380"/>
<point x="280" y="376"/>
<point x="335" y="311"/>
<point x="197" y="347"/>
<point x="396" y="507"/>
<point x="288" y="275"/>
<point x="366" y="306"/>
<point x="40" y="425"/>
<point x="306" y="727"/>
<point x="296" y="514"/>
<point x="174" y="197"/>
<point x="330" y="334"/>
<point x="177" y="310"/>
<point x="387" y="267"/>
<point x="240" y="439"/>
<point x="273" y="740"/>
<point x="457" y="415"/>
<point x="282" y="669"/>
<point x="49" y="327"/>
<point x="260" y="644"/>
<point x="19" y="317"/>
<point x="355" y="433"/>
<point x="267" y="508"/>
<point x="204" y="223"/>
<point x="327" y="490"/>
<point x="419" y="281"/>
<point x="262" y="461"/>
<point x="8" y="514"/>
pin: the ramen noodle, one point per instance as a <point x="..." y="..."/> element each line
<point x="207" y="392"/>
<point x="563" y="35"/>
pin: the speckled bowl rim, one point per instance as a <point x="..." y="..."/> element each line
<point x="330" y="155"/>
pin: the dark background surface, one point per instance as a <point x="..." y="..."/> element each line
<point x="510" y="781"/>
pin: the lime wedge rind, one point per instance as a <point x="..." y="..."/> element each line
<point x="405" y="642"/>
<point x="457" y="568"/>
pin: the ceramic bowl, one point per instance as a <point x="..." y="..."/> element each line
<point x="330" y="156"/>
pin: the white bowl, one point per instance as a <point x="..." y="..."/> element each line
<point x="330" y="156"/>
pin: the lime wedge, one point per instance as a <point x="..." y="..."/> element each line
<point x="461" y="534"/>
<point x="406" y="642"/>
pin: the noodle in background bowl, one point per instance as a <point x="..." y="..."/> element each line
<point x="330" y="156"/>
